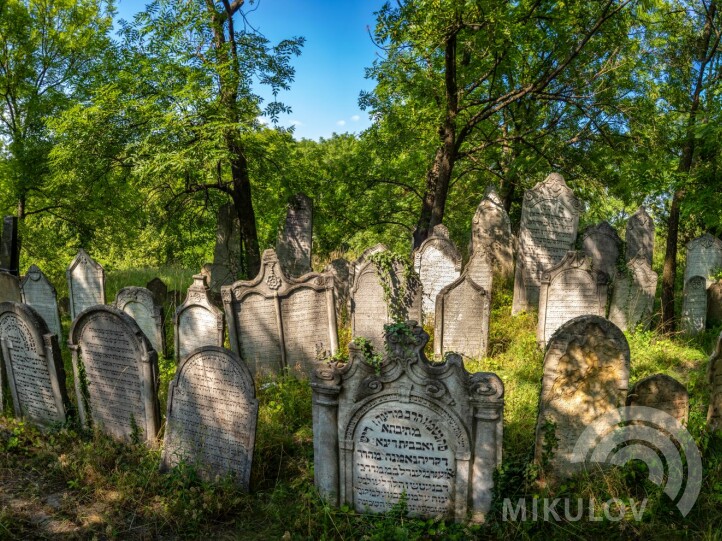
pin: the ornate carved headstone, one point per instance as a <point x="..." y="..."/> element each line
<point x="295" y="241"/>
<point x="640" y="236"/>
<point x="139" y="304"/>
<point x="714" y="377"/>
<point x="602" y="244"/>
<point x="9" y="288"/>
<point x="120" y="368"/>
<point x="479" y="269"/>
<point x="275" y="322"/>
<point x="714" y="303"/>
<point x="662" y="392"/>
<point x="549" y="221"/>
<point x="694" y="305"/>
<point x="570" y="289"/>
<point x="159" y="290"/>
<point x="491" y="233"/>
<point x="86" y="283"/>
<point x="38" y="292"/>
<point x="212" y="414"/>
<point x="586" y="374"/>
<point x="10" y="246"/>
<point x="197" y="322"/>
<point x="430" y="432"/>
<point x="33" y="365"/>
<point x="438" y="263"/>
<point x="633" y="297"/>
<point x="340" y="269"/>
<point x="704" y="258"/>
<point x="370" y="307"/>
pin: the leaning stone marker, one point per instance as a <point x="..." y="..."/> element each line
<point x="714" y="303"/>
<point x="86" y="283"/>
<point x="159" y="291"/>
<point x="429" y="433"/>
<point x="276" y="323"/>
<point x="438" y="263"/>
<point x="296" y="240"/>
<point x="548" y="229"/>
<point x="714" y="377"/>
<point x="704" y="258"/>
<point x="226" y="267"/>
<point x="197" y="322"/>
<point x="121" y="370"/>
<point x="640" y="236"/>
<point x="602" y="244"/>
<point x="633" y="297"/>
<point x="9" y="288"/>
<point x="694" y="305"/>
<point x="33" y="365"/>
<point x="211" y="417"/>
<point x="586" y="374"/>
<point x="139" y="304"/>
<point x="570" y="289"/>
<point x="491" y="234"/>
<point x="10" y="246"/>
<point x="662" y="392"/>
<point x="39" y="293"/>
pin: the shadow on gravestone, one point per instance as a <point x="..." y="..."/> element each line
<point x="661" y="392"/>
<point x="295" y="241"/>
<point x="714" y="378"/>
<point x="491" y="234"/>
<point x="9" y="288"/>
<point x="138" y="303"/>
<point x="38" y="292"/>
<point x="10" y="246"/>
<point x="197" y="322"/>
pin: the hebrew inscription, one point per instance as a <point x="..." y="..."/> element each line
<point x="197" y="321"/>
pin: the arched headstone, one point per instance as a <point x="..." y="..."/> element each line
<point x="491" y="234"/>
<point x="38" y="292"/>
<point x="704" y="257"/>
<point x="197" y="322"/>
<point x="662" y="392"/>
<point x="602" y="243"/>
<point x="633" y="296"/>
<point x="138" y="303"/>
<point x="640" y="236"/>
<point x="86" y="283"/>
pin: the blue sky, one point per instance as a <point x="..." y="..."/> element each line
<point x="330" y="70"/>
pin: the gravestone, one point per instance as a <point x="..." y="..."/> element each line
<point x="10" y="246"/>
<point x="276" y="323"/>
<point x="479" y="269"/>
<point x="121" y="370"/>
<point x="694" y="305"/>
<point x="602" y="244"/>
<point x="211" y="416"/>
<point x="86" y="283"/>
<point x="340" y="270"/>
<point x="159" y="291"/>
<point x="438" y="263"/>
<point x="462" y="318"/>
<point x="407" y="428"/>
<point x="662" y="392"/>
<point x="9" y="288"/>
<point x="491" y="234"/>
<point x="714" y="377"/>
<point x="226" y="267"/>
<point x="548" y="229"/>
<point x="714" y="303"/>
<point x="39" y="293"/>
<point x="370" y="307"/>
<point x="197" y="322"/>
<point x="296" y="239"/>
<point x="633" y="296"/>
<point x="640" y="236"/>
<point x="704" y="258"/>
<point x="570" y="289"/>
<point x="586" y="375"/>
<point x="139" y="304"/>
<point x="32" y="364"/>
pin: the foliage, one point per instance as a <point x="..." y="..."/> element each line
<point x="398" y="280"/>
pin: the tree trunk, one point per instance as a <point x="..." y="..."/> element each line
<point x="670" y="264"/>
<point x="244" y="210"/>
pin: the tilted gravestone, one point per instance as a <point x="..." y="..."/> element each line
<point x="586" y="374"/>
<point x="714" y="377"/>
<point x="661" y="392"/>
<point x="32" y="364"/>
<point x="633" y="296"/>
<point x="10" y="246"/>
<point x="9" y="288"/>
<point x="116" y="374"/>
<point x="602" y="244"/>
<point x="340" y="270"/>
<point x="438" y="263"/>
<point x="380" y="297"/>
<point x="694" y="305"/>
<point x="462" y="319"/>
<point x="714" y="303"/>
<point x="86" y="283"/>
<point x="39" y="293"/>
<point x="226" y="267"/>
<point x="640" y="236"/>
<point x="570" y="289"/>
<point x="211" y="416"/>
<point x="197" y="322"/>
<point x="548" y="230"/>
<point x="159" y="291"/>
<point x="276" y="323"/>
<point x="139" y="304"/>
<point x="491" y="234"/>
<point x="431" y="434"/>
<point x="295" y="241"/>
<point x="704" y="258"/>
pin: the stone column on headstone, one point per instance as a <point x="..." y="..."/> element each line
<point x="295" y="240"/>
<point x="10" y="246"/>
<point x="639" y="236"/>
<point x="714" y="378"/>
<point x="491" y="234"/>
<point x="326" y="388"/>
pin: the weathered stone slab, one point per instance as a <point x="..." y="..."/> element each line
<point x="640" y="236"/>
<point x="227" y="257"/>
<point x="714" y="377"/>
<point x="120" y="369"/>
<point x="586" y="375"/>
<point x="438" y="263"/>
<point x="714" y="303"/>
<point x="10" y="246"/>
<point x="211" y="417"/>
<point x="548" y="229"/>
<point x="570" y="289"/>
<point x="39" y="293"/>
<point x="479" y="269"/>
<point x="296" y="239"/>
<point x="602" y="244"/>
<point x="197" y="322"/>
<point x="370" y="307"/>
<point x="9" y="288"/>
<point x="694" y="305"/>
<point x="491" y="234"/>
<point x="139" y="304"/>
<point x="33" y="365"/>
<point x="340" y="270"/>
<point x="633" y="297"/>
<point x="159" y="291"/>
<point x="662" y="392"/>
<point x="704" y="258"/>
<point x="275" y="322"/>
<point x="86" y="283"/>
<point x="430" y="432"/>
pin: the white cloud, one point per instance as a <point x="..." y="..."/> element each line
<point x="296" y="123"/>
<point x="341" y="123"/>
<point x="355" y="118"/>
<point x="262" y="120"/>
